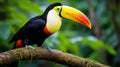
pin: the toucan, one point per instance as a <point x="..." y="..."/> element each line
<point x="38" y="28"/>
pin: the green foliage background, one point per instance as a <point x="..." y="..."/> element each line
<point x="73" y="38"/>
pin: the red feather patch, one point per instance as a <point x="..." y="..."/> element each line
<point x="46" y="30"/>
<point x="19" y="44"/>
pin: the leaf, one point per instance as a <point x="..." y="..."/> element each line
<point x="95" y="44"/>
<point x="28" y="5"/>
<point x="110" y="49"/>
<point x="67" y="45"/>
<point x="4" y="31"/>
<point x="95" y="56"/>
<point x="53" y="1"/>
<point x="20" y="18"/>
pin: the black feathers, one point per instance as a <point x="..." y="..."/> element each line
<point x="32" y="31"/>
<point x="49" y="8"/>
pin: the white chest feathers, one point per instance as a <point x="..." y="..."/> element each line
<point x="54" y="21"/>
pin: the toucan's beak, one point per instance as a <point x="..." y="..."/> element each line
<point x="75" y="15"/>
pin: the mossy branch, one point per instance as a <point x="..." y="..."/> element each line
<point x="45" y="54"/>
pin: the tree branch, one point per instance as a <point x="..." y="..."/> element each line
<point x="45" y="54"/>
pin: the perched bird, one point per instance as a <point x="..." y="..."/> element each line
<point x="37" y="29"/>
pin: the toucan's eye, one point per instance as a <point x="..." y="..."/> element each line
<point x="58" y="9"/>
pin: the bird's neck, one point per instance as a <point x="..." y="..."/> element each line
<point x="54" y="21"/>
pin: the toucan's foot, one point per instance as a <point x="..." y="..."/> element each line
<point x="29" y="46"/>
<point x="31" y="52"/>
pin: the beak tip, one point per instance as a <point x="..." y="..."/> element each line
<point x="90" y="27"/>
<point x="88" y="24"/>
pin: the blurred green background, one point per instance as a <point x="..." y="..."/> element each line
<point x="102" y="43"/>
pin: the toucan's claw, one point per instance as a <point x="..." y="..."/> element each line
<point x="49" y="49"/>
<point x="31" y="53"/>
<point x="29" y="46"/>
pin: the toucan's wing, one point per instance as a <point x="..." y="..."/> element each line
<point x="36" y="24"/>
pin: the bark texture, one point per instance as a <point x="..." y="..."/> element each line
<point x="45" y="54"/>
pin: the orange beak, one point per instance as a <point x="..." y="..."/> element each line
<point x="75" y="15"/>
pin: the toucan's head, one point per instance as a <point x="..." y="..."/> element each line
<point x="56" y="11"/>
